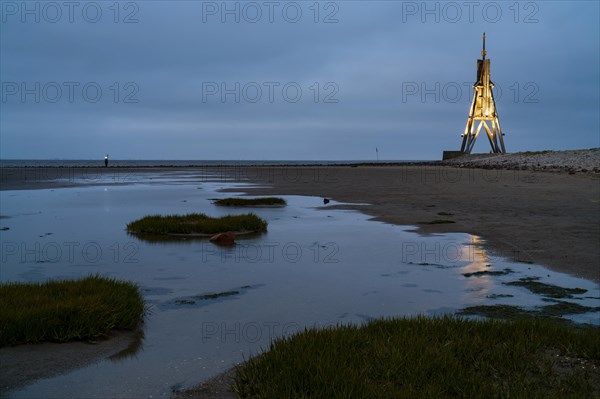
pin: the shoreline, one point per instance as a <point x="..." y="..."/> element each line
<point x="21" y="176"/>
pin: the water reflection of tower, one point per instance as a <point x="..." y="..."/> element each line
<point x="476" y="287"/>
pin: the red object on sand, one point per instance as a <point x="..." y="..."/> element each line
<point x="227" y="238"/>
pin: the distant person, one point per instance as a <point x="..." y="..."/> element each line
<point x="106" y="161"/>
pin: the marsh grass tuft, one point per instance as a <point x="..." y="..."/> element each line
<point x="196" y="223"/>
<point x="216" y="295"/>
<point x="495" y="296"/>
<point x="548" y="290"/>
<point x="508" y="312"/>
<point x="264" y="201"/>
<point x="562" y="308"/>
<point x="489" y="273"/>
<point x="65" y="310"/>
<point x="192" y="300"/>
<point x="426" y="357"/>
<point x="438" y="221"/>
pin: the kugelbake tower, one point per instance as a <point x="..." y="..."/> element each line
<point x="483" y="109"/>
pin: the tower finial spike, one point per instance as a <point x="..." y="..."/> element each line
<point x="483" y="52"/>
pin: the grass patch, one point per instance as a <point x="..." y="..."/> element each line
<point x="548" y="290"/>
<point x="65" y="310"/>
<point x="205" y="297"/>
<point x="496" y="296"/>
<point x="426" y="357"/>
<point x="505" y="312"/>
<point x="509" y="312"/>
<point x="562" y="308"/>
<point x="489" y="273"/>
<point x="196" y="223"/>
<point x="216" y="295"/>
<point x="438" y="221"/>
<point x="439" y="266"/>
<point x="266" y="201"/>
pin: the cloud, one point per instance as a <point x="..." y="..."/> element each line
<point x="357" y="78"/>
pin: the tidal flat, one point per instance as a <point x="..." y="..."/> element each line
<point x="316" y="266"/>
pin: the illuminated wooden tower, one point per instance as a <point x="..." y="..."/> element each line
<point x="483" y="109"/>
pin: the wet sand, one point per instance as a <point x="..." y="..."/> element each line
<point x="218" y="387"/>
<point x="552" y="219"/>
<point x="34" y="178"/>
<point x="549" y="218"/>
<point x="24" y="364"/>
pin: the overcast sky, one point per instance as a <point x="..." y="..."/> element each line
<point x="301" y="80"/>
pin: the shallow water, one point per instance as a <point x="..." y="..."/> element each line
<point x="313" y="267"/>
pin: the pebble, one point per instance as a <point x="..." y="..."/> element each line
<point x="571" y="161"/>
